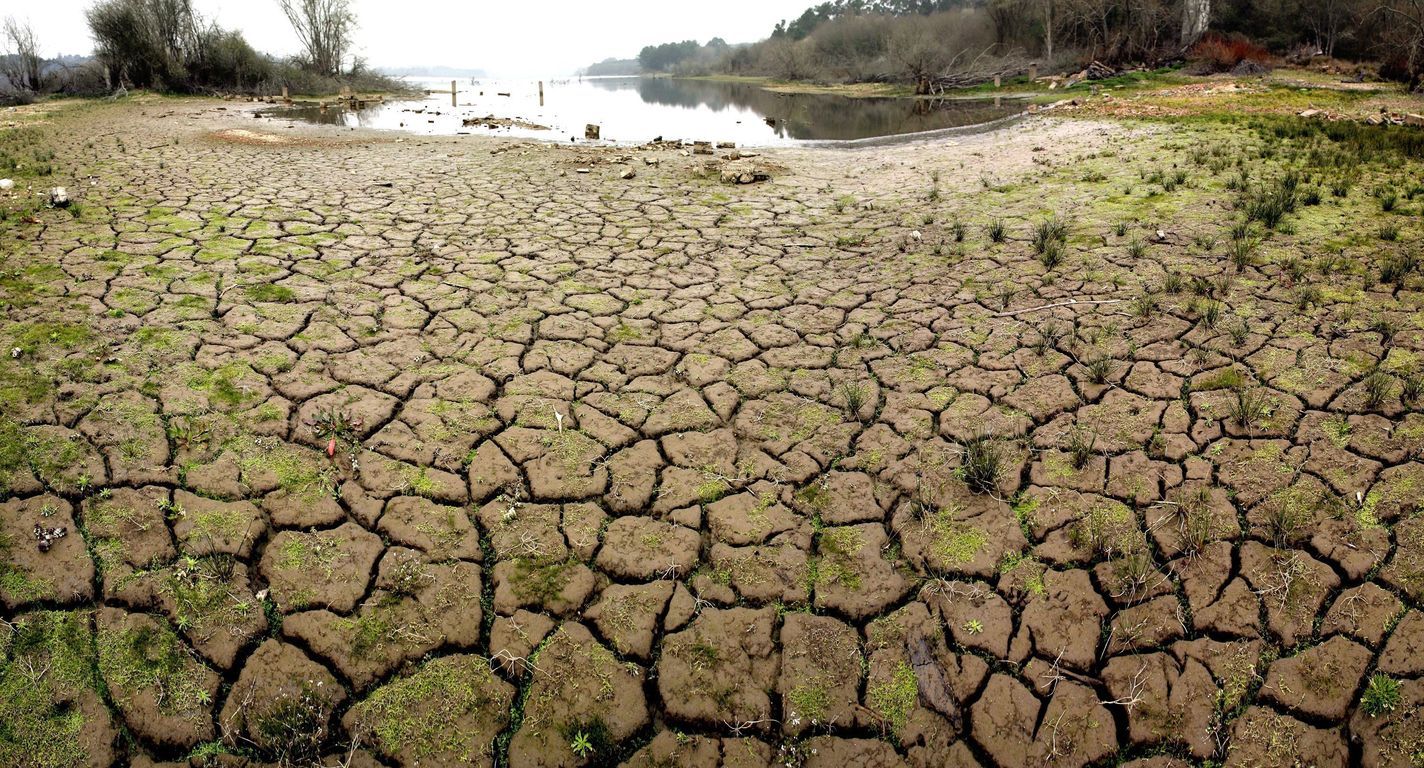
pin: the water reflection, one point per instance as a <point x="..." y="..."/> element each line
<point x="640" y="109"/>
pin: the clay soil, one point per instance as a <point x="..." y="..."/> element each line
<point x="1089" y="440"/>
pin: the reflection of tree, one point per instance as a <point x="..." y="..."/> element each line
<point x="813" y="116"/>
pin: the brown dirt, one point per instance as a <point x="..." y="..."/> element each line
<point x="663" y="471"/>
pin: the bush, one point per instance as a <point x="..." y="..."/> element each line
<point x="1215" y="53"/>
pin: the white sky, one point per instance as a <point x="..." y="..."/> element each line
<point x="504" y="37"/>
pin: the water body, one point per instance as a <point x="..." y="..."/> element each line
<point x="639" y="109"/>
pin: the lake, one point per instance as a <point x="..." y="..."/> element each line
<point x="639" y="109"/>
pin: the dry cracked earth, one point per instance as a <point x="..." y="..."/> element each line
<point x="351" y="449"/>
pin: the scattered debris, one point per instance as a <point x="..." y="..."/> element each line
<point x="45" y="537"/>
<point x="492" y="122"/>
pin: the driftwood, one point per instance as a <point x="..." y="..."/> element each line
<point x="1068" y="303"/>
<point x="972" y="73"/>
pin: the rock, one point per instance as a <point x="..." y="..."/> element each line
<point x="627" y="174"/>
<point x="59" y="197"/>
<point x="743" y="172"/>
<point x="591" y="131"/>
<point x="6" y="185"/>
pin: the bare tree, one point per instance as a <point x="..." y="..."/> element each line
<point x="917" y="54"/>
<point x="23" y="67"/>
<point x="1196" y="15"/>
<point x="324" y="29"/>
<point x="1328" y="21"/>
<point x="1405" y="35"/>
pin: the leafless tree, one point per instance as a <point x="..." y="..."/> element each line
<point x="1328" y="20"/>
<point x="23" y="67"/>
<point x="1405" y="35"/>
<point x="1196" y="16"/>
<point x="789" y="60"/>
<point x="917" y="54"/>
<point x="324" y="29"/>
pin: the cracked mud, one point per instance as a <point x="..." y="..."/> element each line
<point x="437" y="452"/>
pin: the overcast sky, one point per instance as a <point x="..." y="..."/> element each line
<point x="508" y="37"/>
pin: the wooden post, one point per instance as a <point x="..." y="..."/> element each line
<point x="452" y="93"/>
<point x="284" y="93"/>
<point x="997" y="81"/>
<point x="541" y="93"/>
<point x="1033" y="71"/>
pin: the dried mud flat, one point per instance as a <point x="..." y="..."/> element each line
<point x="401" y="451"/>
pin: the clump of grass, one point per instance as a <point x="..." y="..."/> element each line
<point x="1080" y="443"/>
<point x="854" y="394"/>
<point x="1146" y="304"/>
<point x="1307" y="296"/>
<point x="982" y="464"/>
<point x="957" y="231"/>
<point x="270" y="292"/>
<point x="1412" y="389"/>
<point x="1388" y="200"/>
<point x="997" y="231"/>
<point x="1386" y="327"/>
<point x="1049" y="231"/>
<point x="1100" y="369"/>
<point x="1242" y="253"/>
<point x="1049" y="334"/>
<point x="1251" y="406"/>
<point x="1395" y="268"/>
<point x="1377" y="388"/>
<point x="1136" y="249"/>
<point x="1389" y="232"/>
<point x="1381" y="696"/>
<point x="1239" y="333"/>
<point x="1270" y="205"/>
<point x="1051" y="255"/>
<point x="1173" y="283"/>
<point x="1211" y="314"/>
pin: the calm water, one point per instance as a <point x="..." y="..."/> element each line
<point x="634" y="110"/>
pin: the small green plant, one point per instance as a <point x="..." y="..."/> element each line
<point x="1381" y="695"/>
<point x="581" y="745"/>
<point x="974" y="626"/>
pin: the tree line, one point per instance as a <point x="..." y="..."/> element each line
<point x="909" y="40"/>
<point x="168" y="45"/>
